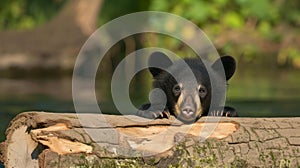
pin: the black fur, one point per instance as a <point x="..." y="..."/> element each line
<point x="194" y="100"/>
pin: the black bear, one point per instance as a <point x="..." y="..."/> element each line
<point x="182" y="98"/>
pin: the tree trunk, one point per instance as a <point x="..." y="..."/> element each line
<point x="56" y="43"/>
<point x="38" y="139"/>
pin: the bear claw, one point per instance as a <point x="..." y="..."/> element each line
<point x="153" y="114"/>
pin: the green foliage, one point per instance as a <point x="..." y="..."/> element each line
<point x="287" y="55"/>
<point x="25" y="14"/>
<point x="233" y="14"/>
<point x="263" y="9"/>
<point x="112" y="9"/>
<point x="263" y="19"/>
<point x="233" y="20"/>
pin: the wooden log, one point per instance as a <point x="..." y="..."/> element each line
<point x="39" y="139"/>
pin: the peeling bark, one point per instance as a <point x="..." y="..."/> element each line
<point x="59" y="145"/>
<point x="38" y="139"/>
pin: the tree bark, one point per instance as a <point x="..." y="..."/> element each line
<point x="54" y="44"/>
<point x="38" y="139"/>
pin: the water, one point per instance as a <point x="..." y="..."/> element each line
<point x="19" y="95"/>
<point x="252" y="94"/>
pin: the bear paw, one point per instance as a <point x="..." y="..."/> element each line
<point x="226" y="112"/>
<point x="153" y="114"/>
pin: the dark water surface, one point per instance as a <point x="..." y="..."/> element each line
<point x="252" y="94"/>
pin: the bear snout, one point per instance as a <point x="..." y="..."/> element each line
<point x="188" y="111"/>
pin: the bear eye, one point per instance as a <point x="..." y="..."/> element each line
<point x="202" y="92"/>
<point x="177" y="90"/>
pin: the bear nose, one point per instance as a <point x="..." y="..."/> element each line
<point x="188" y="111"/>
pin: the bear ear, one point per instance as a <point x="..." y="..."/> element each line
<point x="158" y="59"/>
<point x="229" y="65"/>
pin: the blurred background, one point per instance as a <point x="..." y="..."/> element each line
<point x="39" y="42"/>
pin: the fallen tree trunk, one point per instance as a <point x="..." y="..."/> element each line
<point x="39" y="139"/>
<point x="54" y="44"/>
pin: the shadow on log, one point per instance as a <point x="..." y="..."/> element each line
<point x="39" y="139"/>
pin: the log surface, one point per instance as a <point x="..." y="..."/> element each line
<point x="39" y="139"/>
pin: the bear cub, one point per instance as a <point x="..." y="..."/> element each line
<point x="186" y="96"/>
